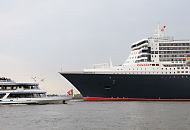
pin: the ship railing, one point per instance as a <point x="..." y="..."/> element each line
<point x="103" y="65"/>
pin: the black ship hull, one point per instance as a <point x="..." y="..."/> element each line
<point x="119" y="87"/>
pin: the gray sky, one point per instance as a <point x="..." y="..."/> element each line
<point x="37" y="37"/>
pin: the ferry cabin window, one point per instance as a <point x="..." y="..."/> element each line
<point x="8" y="88"/>
<point x="2" y="95"/>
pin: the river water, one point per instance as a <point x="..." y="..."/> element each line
<point x="97" y="116"/>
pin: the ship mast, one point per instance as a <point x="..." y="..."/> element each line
<point x="160" y="31"/>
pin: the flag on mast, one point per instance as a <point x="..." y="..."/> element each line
<point x="163" y="28"/>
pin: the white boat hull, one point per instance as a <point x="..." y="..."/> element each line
<point x="45" y="100"/>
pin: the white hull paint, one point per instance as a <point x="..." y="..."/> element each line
<point x="45" y="100"/>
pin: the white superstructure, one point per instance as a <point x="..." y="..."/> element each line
<point x="159" y="54"/>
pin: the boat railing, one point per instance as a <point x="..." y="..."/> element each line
<point x="103" y="65"/>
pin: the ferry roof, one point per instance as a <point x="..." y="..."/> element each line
<point x="18" y="84"/>
<point x="22" y="92"/>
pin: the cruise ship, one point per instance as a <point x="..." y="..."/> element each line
<point x="157" y="69"/>
<point x="25" y="93"/>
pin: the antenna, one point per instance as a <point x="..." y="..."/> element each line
<point x="61" y="69"/>
<point x="42" y="80"/>
<point x="111" y="65"/>
<point x="34" y="78"/>
<point x="39" y="79"/>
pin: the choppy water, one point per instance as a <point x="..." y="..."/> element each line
<point x="97" y="116"/>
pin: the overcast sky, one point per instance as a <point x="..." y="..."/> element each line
<point x="39" y="37"/>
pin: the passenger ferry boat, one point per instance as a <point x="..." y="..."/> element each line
<point x="157" y="69"/>
<point x="25" y="93"/>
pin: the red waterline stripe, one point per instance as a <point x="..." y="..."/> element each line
<point x="129" y="99"/>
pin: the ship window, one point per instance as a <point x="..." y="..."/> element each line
<point x="186" y="71"/>
<point x="153" y="64"/>
<point x="157" y="64"/>
<point x="178" y="71"/>
<point x="182" y="67"/>
<point x="186" y="67"/>
<point x="182" y="71"/>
